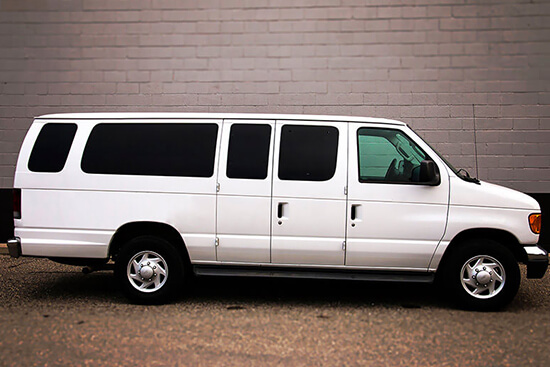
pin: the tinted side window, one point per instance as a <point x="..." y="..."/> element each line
<point x="151" y="149"/>
<point x="248" y="154"/>
<point x="51" y="148"/>
<point x="389" y="156"/>
<point x="308" y="153"/>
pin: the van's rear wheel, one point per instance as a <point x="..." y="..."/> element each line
<point x="149" y="270"/>
<point x="482" y="275"/>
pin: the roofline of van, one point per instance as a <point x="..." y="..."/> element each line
<point x="239" y="116"/>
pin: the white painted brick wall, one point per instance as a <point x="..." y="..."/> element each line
<point x="423" y="61"/>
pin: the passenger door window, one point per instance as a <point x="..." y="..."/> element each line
<point x="388" y="156"/>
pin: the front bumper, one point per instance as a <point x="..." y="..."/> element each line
<point x="14" y="247"/>
<point x="537" y="261"/>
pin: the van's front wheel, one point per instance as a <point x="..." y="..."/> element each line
<point x="149" y="270"/>
<point x="482" y="275"/>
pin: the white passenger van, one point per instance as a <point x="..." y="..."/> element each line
<point x="165" y="195"/>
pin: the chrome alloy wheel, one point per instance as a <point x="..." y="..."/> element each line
<point x="147" y="271"/>
<point x="483" y="276"/>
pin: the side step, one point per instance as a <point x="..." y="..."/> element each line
<point x="308" y="273"/>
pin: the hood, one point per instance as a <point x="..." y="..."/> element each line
<point x="489" y="195"/>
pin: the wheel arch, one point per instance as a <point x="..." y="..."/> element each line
<point x="503" y="237"/>
<point x="136" y="229"/>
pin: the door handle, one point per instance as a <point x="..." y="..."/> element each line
<point x="354" y="211"/>
<point x="282" y="212"/>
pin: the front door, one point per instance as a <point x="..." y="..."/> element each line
<point x="309" y="199"/>
<point x="395" y="222"/>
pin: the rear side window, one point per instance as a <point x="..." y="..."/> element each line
<point x="248" y="154"/>
<point x="51" y="148"/>
<point x="151" y="149"/>
<point x="308" y="153"/>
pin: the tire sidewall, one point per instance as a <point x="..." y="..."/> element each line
<point x="172" y="259"/>
<point x="459" y="257"/>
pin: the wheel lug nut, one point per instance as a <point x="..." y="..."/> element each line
<point x="150" y="263"/>
<point x="474" y="276"/>
<point x="477" y="270"/>
<point x="477" y="283"/>
<point x="484" y="268"/>
<point x="154" y="267"/>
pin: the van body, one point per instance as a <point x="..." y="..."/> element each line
<point x="166" y="194"/>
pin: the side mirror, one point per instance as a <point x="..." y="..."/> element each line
<point x="429" y="173"/>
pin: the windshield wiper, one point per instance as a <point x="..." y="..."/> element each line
<point x="465" y="175"/>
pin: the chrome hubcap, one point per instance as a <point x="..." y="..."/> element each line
<point x="147" y="271"/>
<point x="483" y="276"/>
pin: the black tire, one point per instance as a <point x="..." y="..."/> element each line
<point x="494" y="279"/>
<point x="159" y="261"/>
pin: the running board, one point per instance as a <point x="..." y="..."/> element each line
<point x="309" y="273"/>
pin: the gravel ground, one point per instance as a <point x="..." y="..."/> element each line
<point x="52" y="314"/>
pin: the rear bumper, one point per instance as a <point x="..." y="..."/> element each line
<point x="537" y="261"/>
<point x="14" y="247"/>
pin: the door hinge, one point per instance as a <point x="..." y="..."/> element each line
<point x="218" y="187"/>
<point x="217" y="241"/>
<point x="344" y="246"/>
<point x="345" y="190"/>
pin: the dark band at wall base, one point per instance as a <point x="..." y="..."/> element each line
<point x="6" y="217"/>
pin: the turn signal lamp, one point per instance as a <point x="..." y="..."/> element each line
<point x="535" y="223"/>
